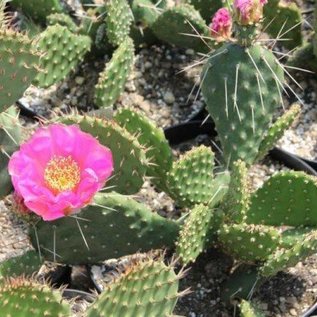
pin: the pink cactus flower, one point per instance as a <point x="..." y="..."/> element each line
<point x="221" y="25"/>
<point x="249" y="11"/>
<point x="59" y="170"/>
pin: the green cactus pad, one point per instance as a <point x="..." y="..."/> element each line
<point x="241" y="87"/>
<point x="190" y="180"/>
<point x="21" y="298"/>
<point x="207" y="8"/>
<point x="283" y="16"/>
<point x="118" y="20"/>
<point x="183" y="26"/>
<point x="10" y="138"/>
<point x="238" y="196"/>
<point x="284" y="258"/>
<point x="129" y="157"/>
<point x="287" y="199"/>
<point x="64" y="51"/>
<point x="19" y="65"/>
<point x="249" y="310"/>
<point x="278" y="129"/>
<point x="62" y="19"/>
<point x="112" y="80"/>
<point x="250" y="243"/>
<point x="148" y="288"/>
<point x="159" y="152"/>
<point x="195" y="233"/>
<point x="26" y="265"/>
<point x="38" y="10"/>
<point x="113" y="226"/>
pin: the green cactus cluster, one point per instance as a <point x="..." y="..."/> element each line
<point x="152" y="283"/>
<point x="267" y="230"/>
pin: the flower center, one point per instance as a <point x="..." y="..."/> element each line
<point x="62" y="174"/>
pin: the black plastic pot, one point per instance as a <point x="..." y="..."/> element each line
<point x="312" y="311"/>
<point x="190" y="130"/>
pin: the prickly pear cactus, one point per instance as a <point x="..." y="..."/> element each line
<point x="113" y="226"/>
<point x="159" y="152"/>
<point x="237" y="200"/>
<point x="10" y="138"/>
<point x="287" y="199"/>
<point x="277" y="228"/>
<point x="64" y="51"/>
<point x="19" y="65"/>
<point x="196" y="233"/>
<point x="242" y="88"/>
<point x="191" y="180"/>
<point x="20" y="298"/>
<point x="183" y="26"/>
<point x="118" y="20"/>
<point x="112" y="80"/>
<point x="38" y="10"/>
<point x="277" y="130"/>
<point x="154" y="286"/>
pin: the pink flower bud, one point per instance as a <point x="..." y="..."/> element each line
<point x="249" y="11"/>
<point x="221" y="25"/>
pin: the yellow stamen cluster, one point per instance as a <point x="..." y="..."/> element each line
<point x="62" y="174"/>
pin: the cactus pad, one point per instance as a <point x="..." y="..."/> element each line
<point x="194" y="234"/>
<point x="64" y="51"/>
<point x="118" y="20"/>
<point x="19" y="65"/>
<point x="191" y="178"/>
<point x="238" y="197"/>
<point x="278" y="129"/>
<point x="183" y="26"/>
<point x="148" y="288"/>
<point x="241" y="87"/>
<point x="26" y="265"/>
<point x="21" y="298"/>
<point x="112" y="80"/>
<point x="249" y="243"/>
<point x="113" y="226"/>
<point x="159" y="152"/>
<point x="287" y="198"/>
